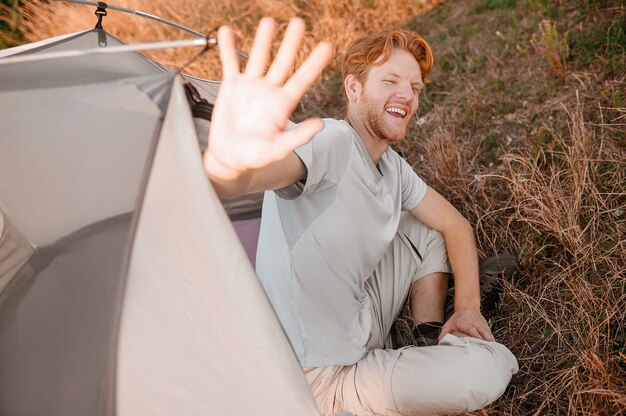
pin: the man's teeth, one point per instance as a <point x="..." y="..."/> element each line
<point x="396" y="110"/>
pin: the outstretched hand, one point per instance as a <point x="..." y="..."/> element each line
<point x="252" y="108"/>
<point x="470" y="322"/>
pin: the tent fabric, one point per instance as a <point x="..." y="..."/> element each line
<point x="30" y="46"/>
<point x="49" y="164"/>
<point x="124" y="288"/>
<point x="14" y="252"/>
<point x="55" y="320"/>
<point x="169" y="299"/>
<point x="85" y="69"/>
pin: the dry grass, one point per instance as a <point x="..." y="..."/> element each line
<point x="337" y="21"/>
<point x="534" y="155"/>
<point x="564" y="314"/>
<point x="567" y="316"/>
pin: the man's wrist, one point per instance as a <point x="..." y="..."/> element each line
<point x="467" y="304"/>
<point x="467" y="292"/>
<point x="219" y="170"/>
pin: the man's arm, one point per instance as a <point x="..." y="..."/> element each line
<point x="249" y="148"/>
<point x="274" y="176"/>
<point x="437" y="213"/>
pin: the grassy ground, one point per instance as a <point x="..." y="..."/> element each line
<point x="10" y="35"/>
<point x="525" y="133"/>
<point x="522" y="128"/>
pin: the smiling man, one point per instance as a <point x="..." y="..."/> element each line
<point x="349" y="231"/>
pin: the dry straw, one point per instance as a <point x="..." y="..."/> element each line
<point x="336" y="21"/>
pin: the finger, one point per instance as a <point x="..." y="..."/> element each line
<point x="287" y="51"/>
<point x="287" y="141"/>
<point x="445" y="329"/>
<point x="226" y="43"/>
<point x="473" y="332"/>
<point x="485" y="333"/>
<point x="297" y="85"/>
<point x="261" y="48"/>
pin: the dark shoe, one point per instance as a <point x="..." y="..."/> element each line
<point x="423" y="335"/>
<point x="490" y="274"/>
<point x="491" y="271"/>
<point x="427" y="333"/>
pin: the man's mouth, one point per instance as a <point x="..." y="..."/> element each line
<point x="396" y="112"/>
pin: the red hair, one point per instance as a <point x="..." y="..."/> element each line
<point x="363" y="52"/>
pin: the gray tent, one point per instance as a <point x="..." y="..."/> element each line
<point x="124" y="288"/>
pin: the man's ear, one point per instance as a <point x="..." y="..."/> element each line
<point x="353" y="87"/>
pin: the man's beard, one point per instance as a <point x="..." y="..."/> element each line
<point x="375" y="122"/>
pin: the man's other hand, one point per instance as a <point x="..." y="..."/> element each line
<point x="252" y="108"/>
<point x="470" y="322"/>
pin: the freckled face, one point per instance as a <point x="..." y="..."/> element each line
<point x="390" y="96"/>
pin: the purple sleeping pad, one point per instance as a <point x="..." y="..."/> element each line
<point x="248" y="233"/>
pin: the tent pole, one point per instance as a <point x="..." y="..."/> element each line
<point x="111" y="49"/>
<point x="178" y="26"/>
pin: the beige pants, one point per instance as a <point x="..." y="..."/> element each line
<point x="458" y="374"/>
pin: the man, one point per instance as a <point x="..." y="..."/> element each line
<point x="337" y="256"/>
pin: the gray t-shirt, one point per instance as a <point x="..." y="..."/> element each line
<point x="320" y="241"/>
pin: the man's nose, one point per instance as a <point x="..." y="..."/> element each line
<point x="405" y="91"/>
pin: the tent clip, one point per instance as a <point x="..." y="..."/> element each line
<point x="200" y="106"/>
<point x="101" y="11"/>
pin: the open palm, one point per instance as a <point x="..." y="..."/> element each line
<point x="252" y="108"/>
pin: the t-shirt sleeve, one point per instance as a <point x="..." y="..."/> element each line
<point x="325" y="157"/>
<point x="413" y="187"/>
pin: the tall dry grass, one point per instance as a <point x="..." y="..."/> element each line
<point x="570" y="306"/>
<point x="562" y="211"/>
<point x="337" y="21"/>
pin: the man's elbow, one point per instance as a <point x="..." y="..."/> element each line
<point x="464" y="222"/>
<point x="459" y="225"/>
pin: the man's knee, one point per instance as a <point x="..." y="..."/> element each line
<point x="484" y="377"/>
<point x="466" y="375"/>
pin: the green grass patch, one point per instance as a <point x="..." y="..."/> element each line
<point x="10" y="35"/>
<point x="604" y="45"/>
<point x="617" y="98"/>
<point x="483" y="5"/>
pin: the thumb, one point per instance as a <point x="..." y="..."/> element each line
<point x="288" y="140"/>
